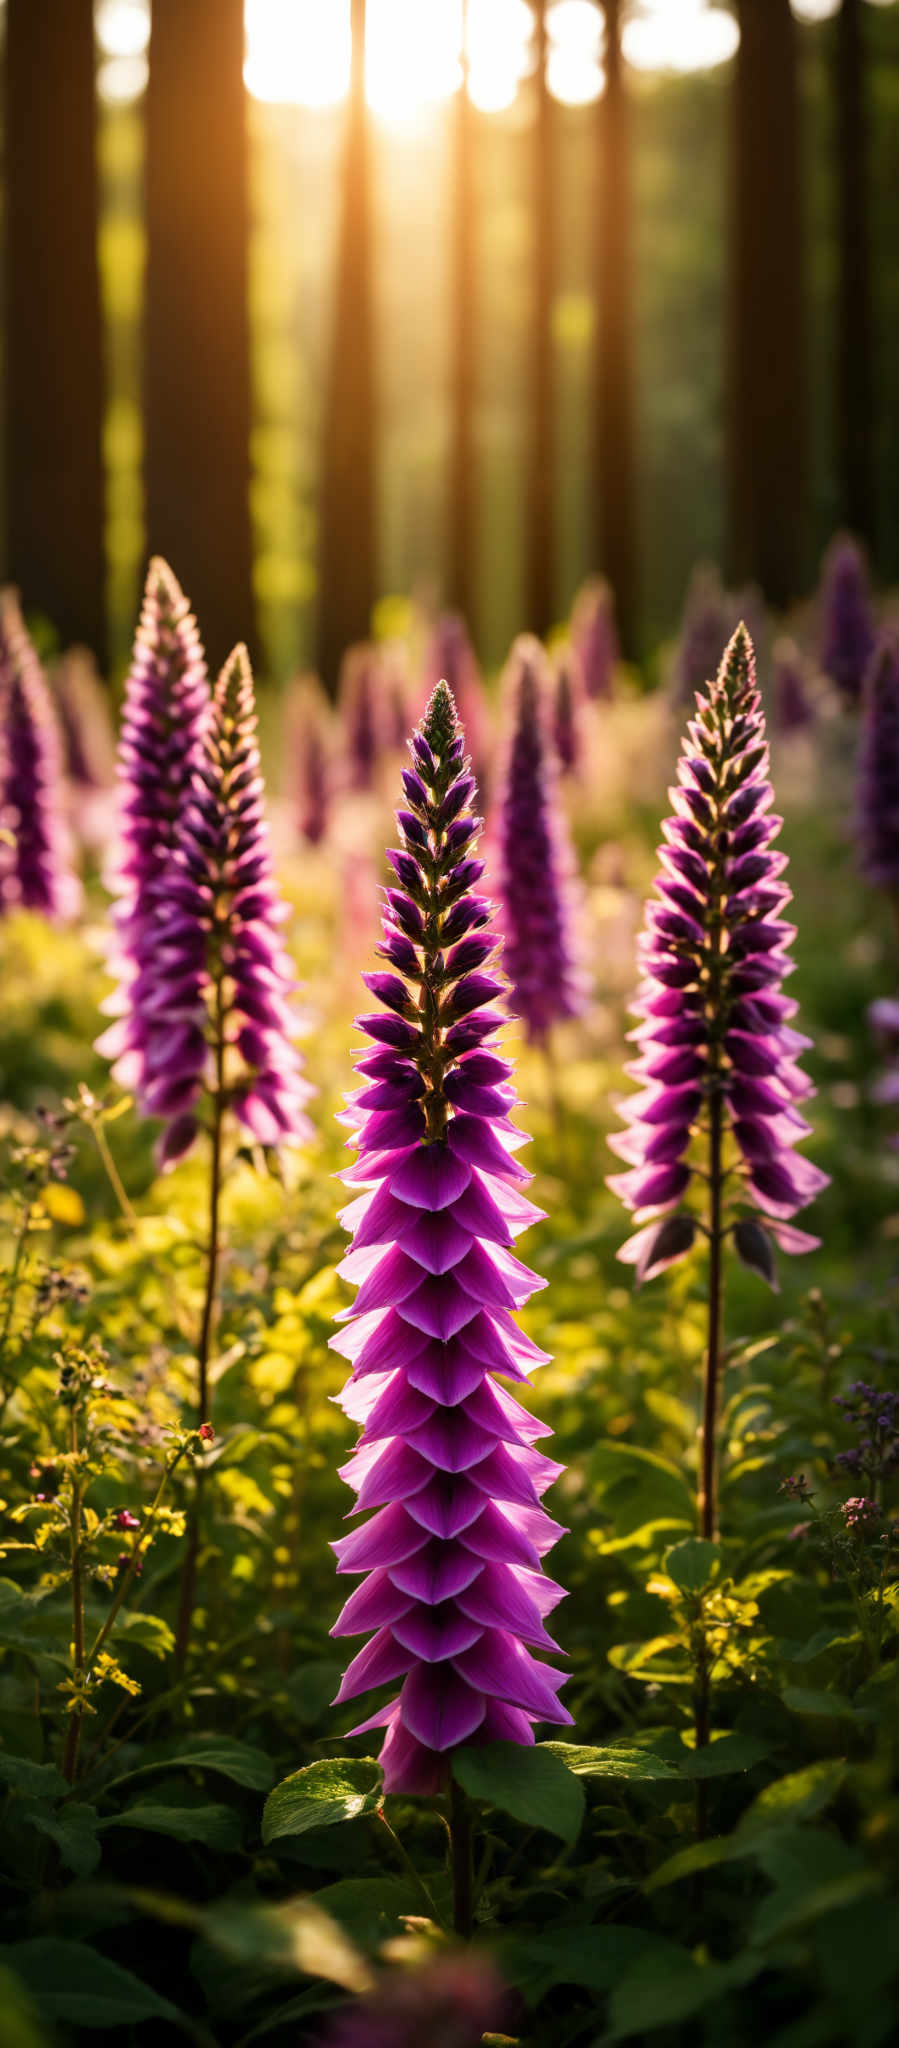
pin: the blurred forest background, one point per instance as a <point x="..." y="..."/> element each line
<point x="534" y="292"/>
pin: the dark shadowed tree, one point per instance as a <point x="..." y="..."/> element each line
<point x="540" y="522"/>
<point x="766" y="425"/>
<point x="614" y="479"/>
<point x="53" y="339"/>
<point x="855" y="373"/>
<point x="197" y="363"/>
<point x="347" y="566"/>
<point x="461" y="535"/>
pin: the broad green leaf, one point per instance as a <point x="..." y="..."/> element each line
<point x="594" y="1957"/>
<point x="74" y="1829"/>
<point x="647" y="1999"/>
<point x="148" y="1631"/>
<point x="70" y="1982"/>
<point x="533" y="1785"/>
<point x="698" y="1856"/>
<point x="238" y="1761"/>
<point x="37" y="1781"/>
<point x="692" y="1564"/>
<point x="734" y="1752"/>
<point x="612" y="1762"/>
<point x="803" y="1699"/>
<point x="798" y="1796"/>
<point x="214" y="1827"/>
<point x="21" y="2027"/>
<point x="370" y="1909"/>
<point x="322" y="1794"/>
<point x="294" y="1936"/>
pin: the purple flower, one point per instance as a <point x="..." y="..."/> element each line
<point x="363" y="711"/>
<point x="715" y="1040"/>
<point x="847" y="617"/>
<point x="877" y="780"/>
<point x="221" y="1014"/>
<point x="165" y="712"/>
<point x="451" y="659"/>
<point x="594" y="637"/>
<point x="308" y="738"/>
<point x="450" y="2001"/>
<point x="861" y="1514"/>
<point x="82" y="706"/>
<point x="453" y="1584"/>
<point x="705" y="630"/>
<point x="793" y="709"/>
<point x="567" y="712"/>
<point x="536" y="867"/>
<point x="35" y="860"/>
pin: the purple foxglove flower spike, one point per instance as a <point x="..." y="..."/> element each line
<point x="82" y="705"/>
<point x="222" y="1013"/>
<point x="877" y="779"/>
<point x="35" y="870"/>
<point x="452" y="658"/>
<point x="567" y="714"/>
<point x="450" y="2001"/>
<point x="717" y="1055"/>
<point x="165" y="712"/>
<point x="536" y="866"/>
<point x="362" y="710"/>
<point x="793" y="708"/>
<point x="715" y="1033"/>
<point x="308" y="738"/>
<point x="705" y="630"/>
<point x="453" y="1585"/>
<point x="594" y="637"/>
<point x="847" y="617"/>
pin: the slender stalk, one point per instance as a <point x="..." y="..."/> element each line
<point x="409" y="1866"/>
<point x="188" y="1589"/>
<point x="137" y="1550"/>
<point x="14" y="1273"/>
<point x="556" y="1104"/>
<point x="112" y="1173"/>
<point x="708" y="1484"/>
<point x="73" y="1730"/>
<point x="462" y="1847"/>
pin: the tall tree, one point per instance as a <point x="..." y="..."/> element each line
<point x="855" y="372"/>
<point x="347" y="558"/>
<point x="53" y="352"/>
<point x="462" y="537"/>
<point x="766" y="427"/>
<point x="615" y="490"/>
<point x="540" y="529"/>
<point x="197" y="365"/>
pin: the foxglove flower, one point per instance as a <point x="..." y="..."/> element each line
<point x="82" y="706"/>
<point x="793" y="710"/>
<point x="877" y="782"/>
<point x="222" y="1013"/>
<point x="567" y="712"/>
<point x="847" y="617"/>
<point x="594" y="636"/>
<point x="165" y="712"/>
<point x="705" y="630"/>
<point x="363" y="711"/>
<point x="535" y="861"/>
<point x="451" y="658"/>
<point x="453" y="1584"/>
<point x="309" y="754"/>
<point x="715" y="1040"/>
<point x="449" y="2000"/>
<point x="35" y="868"/>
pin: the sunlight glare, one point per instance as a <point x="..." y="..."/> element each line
<point x="298" y="52"/>
<point x="122" y="79"/>
<point x="576" y="32"/>
<point x="500" y="51"/>
<point x="814" y="10"/>
<point x="122" y="27"/>
<point x="411" y="55"/>
<point x="687" y="36"/>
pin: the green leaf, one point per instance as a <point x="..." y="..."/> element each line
<point x="699" y="1856"/>
<point x="69" y="1982"/>
<point x="238" y="1761"/>
<point x="216" y="1827"/>
<point x="803" y="1699"/>
<point x="295" y="1936"/>
<point x="21" y="2028"/>
<point x="370" y="1909"/>
<point x="594" y="1957"/>
<point x="612" y="1762"/>
<point x="74" y="1829"/>
<point x="799" y="1796"/>
<point x="37" y="1781"/>
<point x="645" y="2000"/>
<point x="321" y="1795"/>
<point x="734" y="1752"/>
<point x="692" y="1564"/>
<point x="148" y="1632"/>
<point x="534" y="1785"/>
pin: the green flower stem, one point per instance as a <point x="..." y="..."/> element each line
<point x="188" y="1588"/>
<point x="461" y="1838"/>
<point x="112" y="1172"/>
<point x="409" y="1866"/>
<point x="73" y="1729"/>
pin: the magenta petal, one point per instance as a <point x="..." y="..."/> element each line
<point x="452" y="1441"/>
<point x="447" y="1505"/>
<point x="387" y="1539"/>
<point x="436" y="1241"/>
<point x="377" y="1601"/>
<point x="501" y="1598"/>
<point x="430" y="1177"/>
<point x="381" y="1660"/>
<point x="448" y="1373"/>
<point x="504" y="1669"/>
<point x="440" y="1305"/>
<point x="437" y="1571"/>
<point x="439" y="1708"/>
<point x="437" y="1632"/>
<point x="478" y="1145"/>
<point x="408" y="1765"/>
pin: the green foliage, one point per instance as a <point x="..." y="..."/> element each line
<point x="320" y="1795"/>
<point x="534" y="1786"/>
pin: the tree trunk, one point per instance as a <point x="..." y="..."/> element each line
<point x="540" y="575"/>
<point x="54" y="348"/>
<point x="614" y="458"/>
<point x="197" y="368"/>
<point x="463" y="319"/>
<point x="766" y="456"/>
<point x="347" y="559"/>
<point x="855" y="375"/>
